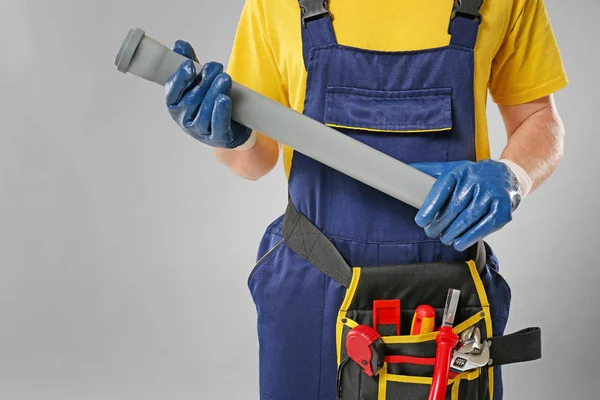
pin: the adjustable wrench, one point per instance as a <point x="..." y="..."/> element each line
<point x="462" y="362"/>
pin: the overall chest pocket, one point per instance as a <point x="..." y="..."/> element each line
<point x="409" y="125"/>
<point x="395" y="111"/>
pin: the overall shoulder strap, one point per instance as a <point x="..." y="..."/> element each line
<point x="464" y="23"/>
<point x="316" y="25"/>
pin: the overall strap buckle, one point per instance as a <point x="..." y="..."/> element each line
<point x="467" y="8"/>
<point x="313" y="9"/>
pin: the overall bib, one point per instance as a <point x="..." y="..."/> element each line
<point x="415" y="106"/>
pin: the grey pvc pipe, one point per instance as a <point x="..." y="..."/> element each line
<point x="150" y="60"/>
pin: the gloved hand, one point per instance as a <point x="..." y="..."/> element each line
<point x="200" y="104"/>
<point x="469" y="200"/>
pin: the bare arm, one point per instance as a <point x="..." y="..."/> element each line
<point x="252" y="163"/>
<point x="535" y="137"/>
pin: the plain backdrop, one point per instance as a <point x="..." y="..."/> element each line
<point x="125" y="247"/>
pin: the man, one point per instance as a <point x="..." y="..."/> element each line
<point x="410" y="79"/>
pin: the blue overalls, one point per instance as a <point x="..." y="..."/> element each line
<point x="415" y="106"/>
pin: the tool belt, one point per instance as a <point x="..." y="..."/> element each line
<point x="402" y="364"/>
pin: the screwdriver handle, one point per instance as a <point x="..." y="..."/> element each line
<point x="423" y="320"/>
<point x="446" y="342"/>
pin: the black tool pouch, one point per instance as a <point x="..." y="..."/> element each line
<point x="407" y="370"/>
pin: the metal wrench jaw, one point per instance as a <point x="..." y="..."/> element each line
<point x="471" y="346"/>
<point x="466" y="362"/>
<point x="467" y="334"/>
<point x="470" y="341"/>
<point x="468" y="346"/>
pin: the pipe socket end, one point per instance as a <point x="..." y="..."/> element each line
<point x="128" y="48"/>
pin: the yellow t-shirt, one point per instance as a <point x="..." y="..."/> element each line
<point x="516" y="56"/>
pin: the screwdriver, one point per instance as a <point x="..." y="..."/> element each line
<point x="446" y="342"/>
<point x="423" y="321"/>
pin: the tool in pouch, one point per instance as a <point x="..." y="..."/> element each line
<point x="471" y="352"/>
<point x="423" y="321"/>
<point x="363" y="343"/>
<point x="446" y="341"/>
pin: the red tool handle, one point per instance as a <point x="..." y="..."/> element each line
<point x="446" y="342"/>
<point x="423" y="321"/>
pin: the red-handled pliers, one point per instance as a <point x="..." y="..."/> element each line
<point x="446" y="342"/>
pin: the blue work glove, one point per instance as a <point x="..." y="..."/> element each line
<point x="469" y="200"/>
<point x="200" y="104"/>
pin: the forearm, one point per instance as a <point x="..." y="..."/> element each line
<point x="535" y="142"/>
<point x="252" y="163"/>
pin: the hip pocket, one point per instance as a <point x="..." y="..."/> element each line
<point x="296" y="308"/>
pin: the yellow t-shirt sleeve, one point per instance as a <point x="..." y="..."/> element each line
<point x="252" y="62"/>
<point x="528" y="65"/>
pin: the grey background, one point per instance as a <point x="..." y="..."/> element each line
<point x="122" y="240"/>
